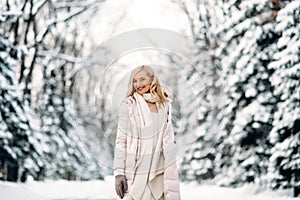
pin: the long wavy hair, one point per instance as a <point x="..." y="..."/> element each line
<point x="155" y="87"/>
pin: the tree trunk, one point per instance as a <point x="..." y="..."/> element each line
<point x="12" y="171"/>
<point x="296" y="191"/>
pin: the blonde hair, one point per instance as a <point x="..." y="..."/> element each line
<point x="155" y="87"/>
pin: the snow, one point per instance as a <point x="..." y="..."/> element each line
<point x="96" y="189"/>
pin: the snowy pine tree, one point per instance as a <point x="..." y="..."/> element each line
<point x="44" y="41"/>
<point x="198" y="162"/>
<point x="284" y="166"/>
<point x="198" y="115"/>
<point x="258" y="39"/>
<point x="243" y="55"/>
<point x="21" y="142"/>
<point x="253" y="49"/>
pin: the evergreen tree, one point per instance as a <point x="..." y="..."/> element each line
<point x="252" y="51"/>
<point x="20" y="149"/>
<point x="198" y="115"/>
<point x="284" y="166"/>
<point x="243" y="55"/>
<point x="42" y="38"/>
<point x="198" y="161"/>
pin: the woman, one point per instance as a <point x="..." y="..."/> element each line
<point x="144" y="162"/>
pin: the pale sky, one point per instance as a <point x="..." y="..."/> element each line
<point x="116" y="17"/>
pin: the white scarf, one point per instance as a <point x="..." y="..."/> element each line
<point x="143" y="108"/>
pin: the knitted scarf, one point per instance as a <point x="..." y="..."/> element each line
<point x="143" y="109"/>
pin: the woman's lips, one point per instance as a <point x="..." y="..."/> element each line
<point x="140" y="88"/>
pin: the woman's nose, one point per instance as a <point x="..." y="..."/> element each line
<point x="138" y="84"/>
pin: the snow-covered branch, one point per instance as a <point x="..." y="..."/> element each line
<point x="69" y="16"/>
<point x="60" y="56"/>
<point x="59" y="5"/>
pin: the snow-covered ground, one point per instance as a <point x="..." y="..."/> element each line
<point x="104" y="190"/>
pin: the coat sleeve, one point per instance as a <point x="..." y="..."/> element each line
<point x="121" y="139"/>
<point x="169" y="137"/>
<point x="171" y="179"/>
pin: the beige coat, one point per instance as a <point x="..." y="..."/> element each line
<point x="127" y="149"/>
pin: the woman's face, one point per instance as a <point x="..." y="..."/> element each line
<point x="142" y="82"/>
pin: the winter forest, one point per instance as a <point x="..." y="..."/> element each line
<point x="236" y="89"/>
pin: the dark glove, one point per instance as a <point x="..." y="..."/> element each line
<point x="120" y="185"/>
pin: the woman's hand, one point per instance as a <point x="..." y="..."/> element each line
<point x="121" y="185"/>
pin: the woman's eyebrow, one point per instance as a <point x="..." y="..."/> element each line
<point x="139" y="78"/>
